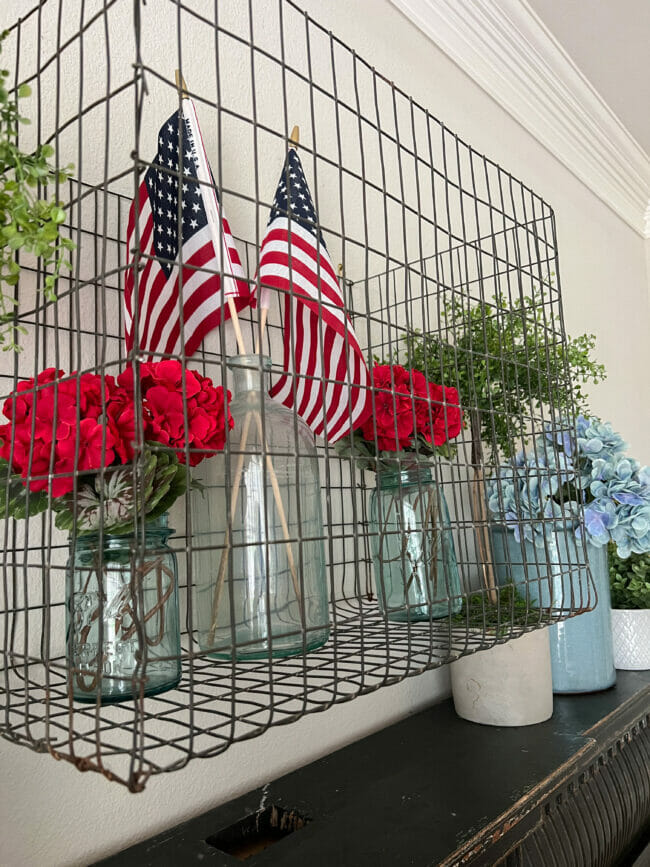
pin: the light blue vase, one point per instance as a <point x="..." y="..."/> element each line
<point x="582" y="654"/>
<point x="554" y="576"/>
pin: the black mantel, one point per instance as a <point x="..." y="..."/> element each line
<point x="437" y="790"/>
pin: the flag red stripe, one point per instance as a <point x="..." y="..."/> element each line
<point x="325" y="375"/>
<point x="331" y="319"/>
<point x="321" y="279"/>
<point x="159" y="324"/>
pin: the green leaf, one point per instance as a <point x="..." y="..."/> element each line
<point x="629" y="579"/>
<point x="504" y="358"/>
<point x="28" y="222"/>
<point x="17" y="501"/>
<point x="64" y="519"/>
<point x="176" y="489"/>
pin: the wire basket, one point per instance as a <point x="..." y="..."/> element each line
<point x="419" y="222"/>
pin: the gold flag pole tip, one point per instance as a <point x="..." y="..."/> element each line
<point x="180" y="83"/>
<point x="294" y="139"/>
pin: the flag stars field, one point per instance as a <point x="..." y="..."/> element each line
<point x="327" y="379"/>
<point x="205" y="248"/>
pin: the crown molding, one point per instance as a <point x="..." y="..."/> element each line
<point x="508" y="51"/>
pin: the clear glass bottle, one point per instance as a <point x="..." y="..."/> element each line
<point x="416" y="573"/>
<point x="262" y="590"/>
<point x="123" y="636"/>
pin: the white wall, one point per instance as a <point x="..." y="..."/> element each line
<point x="54" y="815"/>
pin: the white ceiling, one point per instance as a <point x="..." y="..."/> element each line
<point x="609" y="42"/>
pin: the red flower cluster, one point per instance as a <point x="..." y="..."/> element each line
<point x="54" y="419"/>
<point x="167" y="392"/>
<point x="407" y="406"/>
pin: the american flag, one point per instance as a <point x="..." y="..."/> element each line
<point x="323" y="362"/>
<point x="192" y="264"/>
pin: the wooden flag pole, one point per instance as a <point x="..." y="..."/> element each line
<point x="260" y="336"/>
<point x="239" y="337"/>
<point x="182" y="88"/>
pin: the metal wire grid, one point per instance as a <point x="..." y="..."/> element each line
<point x="415" y="216"/>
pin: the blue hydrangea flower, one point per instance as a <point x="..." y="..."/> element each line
<point x="643" y="476"/>
<point x="632" y="532"/>
<point x="600" y="519"/>
<point x="615" y="489"/>
<point x="565" y="437"/>
<point x="598" y="439"/>
<point x="521" y="496"/>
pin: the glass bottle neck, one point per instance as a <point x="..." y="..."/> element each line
<point x="249" y="373"/>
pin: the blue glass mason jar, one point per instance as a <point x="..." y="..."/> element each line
<point x="260" y="583"/>
<point x="582" y="656"/>
<point x="123" y="638"/>
<point x="416" y="573"/>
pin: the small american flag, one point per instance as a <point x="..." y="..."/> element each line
<point x="203" y="264"/>
<point x="331" y="378"/>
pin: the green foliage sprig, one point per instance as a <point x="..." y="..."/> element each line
<point x="27" y="221"/>
<point x="509" y="358"/>
<point x="113" y="496"/>
<point x="355" y="447"/>
<point x="629" y="579"/>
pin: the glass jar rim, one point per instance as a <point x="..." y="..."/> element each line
<point x="395" y="477"/>
<point x="159" y="524"/>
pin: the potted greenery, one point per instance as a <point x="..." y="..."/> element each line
<point x="508" y="363"/>
<point x="630" y="589"/>
<point x="490" y="346"/>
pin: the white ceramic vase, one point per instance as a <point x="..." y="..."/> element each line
<point x="508" y="685"/>
<point x="631" y="638"/>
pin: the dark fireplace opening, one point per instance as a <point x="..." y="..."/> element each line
<point x="257" y="832"/>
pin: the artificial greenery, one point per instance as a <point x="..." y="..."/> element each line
<point x="499" y="616"/>
<point x="28" y="222"/>
<point x="629" y="579"/>
<point x="505" y="359"/>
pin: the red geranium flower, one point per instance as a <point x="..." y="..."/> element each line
<point x="448" y="418"/>
<point x="393" y="408"/>
<point x="407" y="406"/>
<point x="54" y="418"/>
<point x="163" y="384"/>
